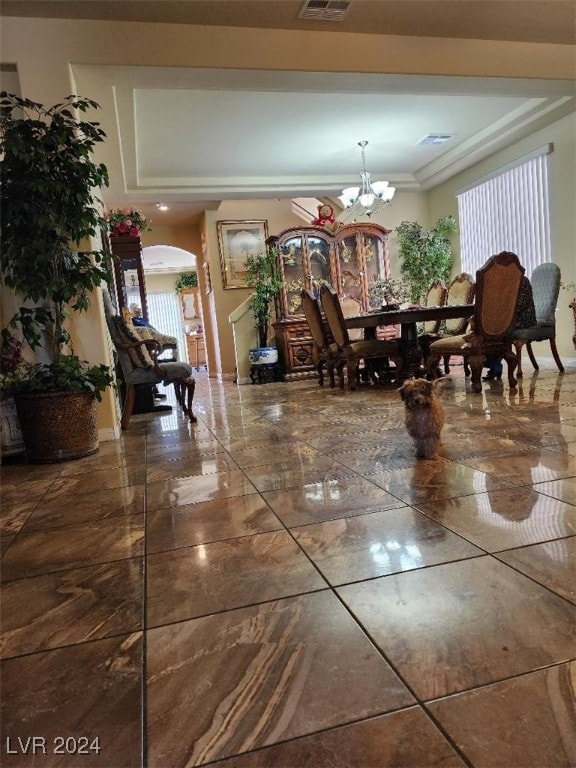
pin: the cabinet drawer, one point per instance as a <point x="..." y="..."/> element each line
<point x="300" y="356"/>
<point x="299" y="334"/>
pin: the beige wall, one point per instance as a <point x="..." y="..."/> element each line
<point x="562" y="176"/>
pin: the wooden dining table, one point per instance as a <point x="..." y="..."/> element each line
<point x="407" y="319"/>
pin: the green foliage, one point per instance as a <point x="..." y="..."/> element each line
<point x="69" y="374"/>
<point x="263" y="275"/>
<point x="47" y="209"/>
<point x="426" y="253"/>
<point x="186" y="280"/>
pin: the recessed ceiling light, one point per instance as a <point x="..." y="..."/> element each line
<point x="162" y="206"/>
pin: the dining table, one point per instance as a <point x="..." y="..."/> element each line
<point x="408" y="318"/>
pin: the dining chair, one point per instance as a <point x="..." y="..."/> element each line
<point x="325" y="352"/>
<point x="350" y="353"/>
<point x="545" y="282"/>
<point x="497" y="288"/>
<point x="435" y="297"/>
<point x="460" y="292"/>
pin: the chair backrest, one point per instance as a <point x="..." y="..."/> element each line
<point x="350" y="308"/>
<point x="314" y="318"/>
<point x="435" y="297"/>
<point x="334" y="316"/>
<point x="545" y="289"/>
<point x="497" y="287"/>
<point x="113" y="321"/>
<point x="460" y="291"/>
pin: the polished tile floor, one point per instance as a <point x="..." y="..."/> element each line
<point x="283" y="584"/>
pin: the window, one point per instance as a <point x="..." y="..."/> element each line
<point x="164" y="315"/>
<point x="507" y="211"/>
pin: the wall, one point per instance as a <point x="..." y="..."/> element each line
<point x="562" y="190"/>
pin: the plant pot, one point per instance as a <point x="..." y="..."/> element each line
<point x="263" y="355"/>
<point x="10" y="433"/>
<point x="57" y="426"/>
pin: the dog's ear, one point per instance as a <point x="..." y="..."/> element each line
<point x="428" y="388"/>
<point x="402" y="391"/>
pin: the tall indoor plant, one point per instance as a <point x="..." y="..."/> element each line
<point x="426" y="254"/>
<point x="47" y="211"/>
<point x="263" y="276"/>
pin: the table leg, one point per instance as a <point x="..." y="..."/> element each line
<point x="410" y="351"/>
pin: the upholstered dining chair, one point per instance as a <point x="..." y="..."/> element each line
<point x="137" y="359"/>
<point x="545" y="282"/>
<point x="460" y="291"/>
<point x="325" y="352"/>
<point x="350" y="353"/>
<point x="497" y="287"/>
<point x="435" y="297"/>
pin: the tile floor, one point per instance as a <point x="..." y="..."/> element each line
<point x="283" y="584"/>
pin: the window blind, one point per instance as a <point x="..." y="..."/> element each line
<point x="164" y="315"/>
<point x="507" y="212"/>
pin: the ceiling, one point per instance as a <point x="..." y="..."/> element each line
<point x="233" y="134"/>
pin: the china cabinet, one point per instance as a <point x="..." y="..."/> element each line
<point x="349" y="259"/>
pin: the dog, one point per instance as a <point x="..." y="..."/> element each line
<point x="424" y="415"/>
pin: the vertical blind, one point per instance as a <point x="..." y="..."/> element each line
<point x="508" y="212"/>
<point x="164" y="315"/>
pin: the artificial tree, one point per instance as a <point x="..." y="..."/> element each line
<point x="48" y="209"/>
<point x="426" y="254"/>
<point x="263" y="276"/>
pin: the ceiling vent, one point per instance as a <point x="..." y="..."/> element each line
<point x="325" y="10"/>
<point x="434" y="138"/>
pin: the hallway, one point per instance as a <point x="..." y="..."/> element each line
<point x="284" y="585"/>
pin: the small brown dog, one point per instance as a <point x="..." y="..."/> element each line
<point x="424" y="415"/>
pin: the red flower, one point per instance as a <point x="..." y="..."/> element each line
<point x="122" y="228"/>
<point x="134" y="232"/>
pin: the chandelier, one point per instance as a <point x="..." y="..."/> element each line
<point x="370" y="198"/>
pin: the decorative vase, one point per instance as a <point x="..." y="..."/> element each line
<point x="11" y="439"/>
<point x="263" y="355"/>
<point x="57" y="426"/>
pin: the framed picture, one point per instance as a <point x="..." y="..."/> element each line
<point x="237" y="240"/>
<point x="207" y="278"/>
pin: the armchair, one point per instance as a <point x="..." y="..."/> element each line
<point x="137" y="359"/>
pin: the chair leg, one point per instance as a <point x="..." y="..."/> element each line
<point x="351" y="367"/>
<point x="518" y="347"/>
<point x="330" y="366"/>
<point x="128" y="406"/>
<point x="340" y="369"/>
<point x="446" y="365"/>
<point x="512" y="362"/>
<point x="320" y="369"/>
<point x="476" y="365"/>
<point x="432" y="365"/>
<point x="531" y="356"/>
<point x="184" y="389"/>
<point x="555" y="355"/>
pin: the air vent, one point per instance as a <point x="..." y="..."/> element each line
<point x="434" y="138"/>
<point x="325" y="10"/>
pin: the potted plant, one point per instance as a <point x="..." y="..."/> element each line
<point x="11" y="361"/>
<point x="388" y="291"/>
<point x="426" y="254"/>
<point x="127" y="222"/>
<point x="47" y="210"/>
<point x="186" y="280"/>
<point x="263" y="276"/>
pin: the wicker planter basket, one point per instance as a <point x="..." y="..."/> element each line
<point x="57" y="426"/>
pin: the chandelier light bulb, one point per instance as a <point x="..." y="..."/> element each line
<point x="371" y="196"/>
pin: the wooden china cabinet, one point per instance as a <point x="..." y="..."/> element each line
<point x="348" y="259"/>
<point x="129" y="273"/>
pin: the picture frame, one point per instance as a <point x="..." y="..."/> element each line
<point x="236" y="241"/>
<point x="207" y="278"/>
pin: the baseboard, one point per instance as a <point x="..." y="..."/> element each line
<point x="109" y="434"/>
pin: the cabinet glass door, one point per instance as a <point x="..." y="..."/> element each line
<point x="373" y="258"/>
<point x="350" y="270"/>
<point x="292" y="255"/>
<point x="319" y="256"/>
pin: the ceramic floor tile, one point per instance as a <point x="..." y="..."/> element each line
<point x="14" y="515"/>
<point x="564" y="489"/>
<point x="192" y="490"/>
<point x="118" y="502"/>
<point x="552" y="564"/>
<point x="503" y="519"/>
<point x="69" y="607"/>
<point x="72" y="546"/>
<point x="321" y="501"/>
<point x="378" y="544"/>
<point x="528" y="721"/>
<point x="253" y="457"/>
<point x="465" y="624"/>
<point x="182" y="467"/>
<point x="17" y="473"/>
<point x="382" y="457"/>
<point x="533" y="466"/>
<point x="381" y="742"/>
<point x="432" y="480"/>
<point x="284" y="678"/>
<point x="5" y="542"/>
<point x="208" y="521"/>
<point x="459" y="445"/>
<point x="291" y="474"/>
<point x="91" y="690"/>
<point x="196" y="581"/>
<point x="98" y="480"/>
